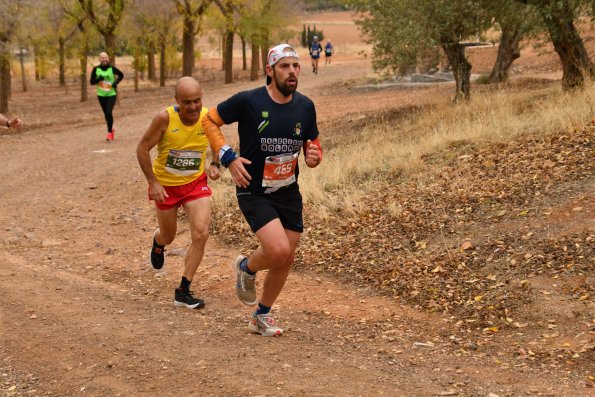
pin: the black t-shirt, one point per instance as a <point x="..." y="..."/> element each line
<point x="267" y="129"/>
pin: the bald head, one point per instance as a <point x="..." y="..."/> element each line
<point x="188" y="95"/>
<point x="103" y="58"/>
<point x="186" y="85"/>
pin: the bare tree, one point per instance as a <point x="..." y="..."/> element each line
<point x="142" y="32"/>
<point x="111" y="11"/>
<point x="65" y="34"/>
<point x="262" y="21"/>
<point x="228" y="9"/>
<point x="191" y="12"/>
<point x="10" y="11"/>
<point x="74" y="10"/>
<point x="157" y="22"/>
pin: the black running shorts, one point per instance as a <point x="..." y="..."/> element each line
<point x="261" y="209"/>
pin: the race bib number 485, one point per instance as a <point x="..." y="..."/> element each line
<point x="279" y="170"/>
<point x="183" y="162"/>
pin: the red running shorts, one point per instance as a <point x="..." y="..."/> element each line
<point x="182" y="194"/>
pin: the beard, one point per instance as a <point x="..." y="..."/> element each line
<point x="282" y="86"/>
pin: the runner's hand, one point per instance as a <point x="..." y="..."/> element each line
<point x="312" y="154"/>
<point x="157" y="192"/>
<point x="15" y="123"/>
<point x="238" y="172"/>
<point x="213" y="172"/>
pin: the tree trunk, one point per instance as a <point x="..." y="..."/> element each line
<point x="188" y="47"/>
<point x="576" y="65"/>
<point x="23" y="72"/>
<point x="110" y="47"/>
<point x="244" y="62"/>
<point x="461" y="69"/>
<point x="508" y="52"/>
<point x="36" y="62"/>
<point x="223" y="49"/>
<point x="42" y="67"/>
<point x="8" y="77"/>
<point x="254" y="60"/>
<point x="83" y="51"/>
<point x="4" y="80"/>
<point x="162" y="62"/>
<point x="61" y="62"/>
<point x="151" y="61"/>
<point x="228" y="57"/>
<point x="83" y="73"/>
<point x="136" y="63"/>
<point x="264" y="51"/>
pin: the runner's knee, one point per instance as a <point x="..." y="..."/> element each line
<point x="200" y="236"/>
<point x="278" y="253"/>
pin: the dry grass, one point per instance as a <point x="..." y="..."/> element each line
<point x="379" y="153"/>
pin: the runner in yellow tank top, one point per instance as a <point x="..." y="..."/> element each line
<point x="177" y="179"/>
<point x="181" y="151"/>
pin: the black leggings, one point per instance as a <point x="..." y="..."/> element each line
<point x="107" y="105"/>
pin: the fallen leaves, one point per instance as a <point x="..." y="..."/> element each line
<point x="469" y="237"/>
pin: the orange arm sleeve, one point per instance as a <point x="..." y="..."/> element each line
<point x="211" y="123"/>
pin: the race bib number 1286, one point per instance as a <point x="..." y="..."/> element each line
<point x="183" y="162"/>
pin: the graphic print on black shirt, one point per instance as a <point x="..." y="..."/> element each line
<point x="271" y="136"/>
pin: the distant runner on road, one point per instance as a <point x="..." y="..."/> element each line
<point x="275" y="123"/>
<point x="107" y="78"/>
<point x="177" y="178"/>
<point x="315" y="50"/>
<point x="329" y="50"/>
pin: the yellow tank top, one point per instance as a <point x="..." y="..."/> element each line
<point x="181" y="152"/>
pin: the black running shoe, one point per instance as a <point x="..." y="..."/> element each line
<point x="157" y="256"/>
<point x="185" y="298"/>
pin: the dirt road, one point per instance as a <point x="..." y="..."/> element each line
<point x="82" y="313"/>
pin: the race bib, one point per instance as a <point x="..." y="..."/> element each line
<point x="183" y="162"/>
<point x="279" y="170"/>
<point x="105" y="85"/>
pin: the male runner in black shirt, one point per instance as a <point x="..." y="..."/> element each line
<point x="274" y="123"/>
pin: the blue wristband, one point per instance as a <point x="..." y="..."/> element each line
<point x="228" y="156"/>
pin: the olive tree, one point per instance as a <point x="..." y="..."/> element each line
<point x="559" y="18"/>
<point x="516" y="22"/>
<point x="400" y="30"/>
<point x="192" y="12"/>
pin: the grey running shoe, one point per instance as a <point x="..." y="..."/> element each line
<point x="245" y="287"/>
<point x="264" y="324"/>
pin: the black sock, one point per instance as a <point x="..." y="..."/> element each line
<point x="262" y="309"/>
<point x="185" y="284"/>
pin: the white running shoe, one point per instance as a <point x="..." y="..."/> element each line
<point x="264" y="324"/>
